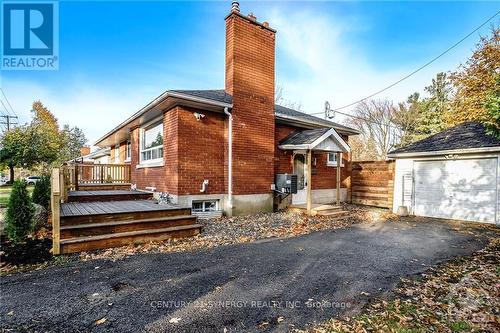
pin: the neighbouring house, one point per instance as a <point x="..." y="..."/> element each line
<point x="98" y="156"/>
<point x="454" y="174"/>
<point x="221" y="149"/>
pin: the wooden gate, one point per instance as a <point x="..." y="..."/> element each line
<point x="373" y="183"/>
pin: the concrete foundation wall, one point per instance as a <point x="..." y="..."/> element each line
<point x="252" y="203"/>
<point x="328" y="196"/>
<point x="242" y="204"/>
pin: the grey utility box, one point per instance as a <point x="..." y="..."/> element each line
<point x="286" y="183"/>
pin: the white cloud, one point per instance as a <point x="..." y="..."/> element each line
<point x="332" y="67"/>
<point x="316" y="61"/>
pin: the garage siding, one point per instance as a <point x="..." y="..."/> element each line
<point x="456" y="189"/>
<point x="466" y="188"/>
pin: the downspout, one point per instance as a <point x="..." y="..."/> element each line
<point x="229" y="161"/>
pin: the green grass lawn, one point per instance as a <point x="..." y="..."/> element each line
<point x="5" y="193"/>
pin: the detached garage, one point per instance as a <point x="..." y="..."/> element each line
<point x="454" y="174"/>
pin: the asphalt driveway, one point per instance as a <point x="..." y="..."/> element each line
<point x="271" y="285"/>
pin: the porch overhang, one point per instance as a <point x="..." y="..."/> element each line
<point x="322" y="139"/>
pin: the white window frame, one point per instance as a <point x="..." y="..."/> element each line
<point x="205" y="203"/>
<point x="128" y="151"/>
<point x="151" y="162"/>
<point x="117" y="153"/>
<point x="334" y="162"/>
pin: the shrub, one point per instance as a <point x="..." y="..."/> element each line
<point x="19" y="217"/>
<point x="41" y="192"/>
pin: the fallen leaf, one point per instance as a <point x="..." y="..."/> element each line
<point x="101" y="321"/>
<point x="264" y="324"/>
<point x="174" y="320"/>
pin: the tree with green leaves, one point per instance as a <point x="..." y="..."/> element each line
<point x="73" y="140"/>
<point x="407" y="118"/>
<point x="41" y="192"/>
<point x="20" y="212"/>
<point x="420" y="117"/>
<point x="477" y="84"/>
<point x="40" y="144"/>
<point x="36" y="144"/>
<point x="492" y="106"/>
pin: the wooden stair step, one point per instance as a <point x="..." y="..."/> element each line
<point x="99" y="228"/>
<point x="332" y="213"/>
<point x="327" y="207"/>
<point x="143" y="213"/>
<point x="78" y="244"/>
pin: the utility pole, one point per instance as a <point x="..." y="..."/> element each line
<point x="8" y="123"/>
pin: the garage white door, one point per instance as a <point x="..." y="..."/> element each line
<point x="456" y="189"/>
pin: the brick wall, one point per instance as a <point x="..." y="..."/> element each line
<point x="323" y="176"/>
<point x="192" y="152"/>
<point x="250" y="79"/>
<point x="164" y="178"/>
<point x="201" y="152"/>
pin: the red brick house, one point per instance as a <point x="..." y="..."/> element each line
<point x="221" y="149"/>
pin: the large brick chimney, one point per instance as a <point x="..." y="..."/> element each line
<point x="250" y="53"/>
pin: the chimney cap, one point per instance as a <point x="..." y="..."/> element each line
<point x="235" y="6"/>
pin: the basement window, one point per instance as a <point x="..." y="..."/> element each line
<point x="152" y="143"/>
<point x="205" y="206"/>
<point x="332" y="160"/>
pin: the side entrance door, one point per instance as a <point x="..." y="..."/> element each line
<point x="299" y="168"/>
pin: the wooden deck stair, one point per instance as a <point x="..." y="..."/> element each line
<point x="322" y="210"/>
<point x="123" y="220"/>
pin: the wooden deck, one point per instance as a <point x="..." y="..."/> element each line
<point x="107" y="195"/>
<point x="101" y="224"/>
<point x="112" y="207"/>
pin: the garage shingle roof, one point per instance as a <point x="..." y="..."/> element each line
<point x="222" y="96"/>
<point x="467" y="135"/>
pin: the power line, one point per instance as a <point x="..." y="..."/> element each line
<point x="7" y="100"/>
<point x="8" y="122"/>
<point x="418" y="69"/>
<point x="368" y="120"/>
<point x="3" y="112"/>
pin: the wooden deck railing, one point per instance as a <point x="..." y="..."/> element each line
<point x="81" y="174"/>
<point x="58" y="192"/>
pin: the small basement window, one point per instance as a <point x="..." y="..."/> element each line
<point x="205" y="206"/>
<point x="206" y="209"/>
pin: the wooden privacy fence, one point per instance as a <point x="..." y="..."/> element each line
<point x="373" y="183"/>
<point x="81" y="174"/>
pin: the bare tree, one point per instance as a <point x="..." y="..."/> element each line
<point x="362" y="149"/>
<point x="375" y="119"/>
<point x="280" y="100"/>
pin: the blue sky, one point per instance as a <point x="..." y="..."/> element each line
<point x="116" y="56"/>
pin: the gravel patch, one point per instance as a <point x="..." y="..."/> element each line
<point x="236" y="230"/>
